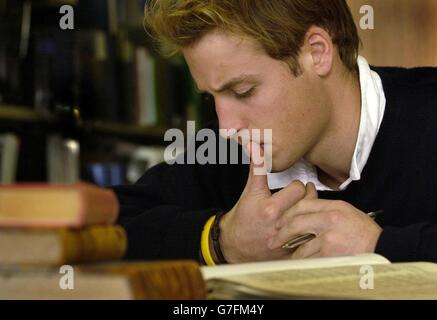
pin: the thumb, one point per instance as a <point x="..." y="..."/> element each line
<point x="311" y="191"/>
<point x="257" y="180"/>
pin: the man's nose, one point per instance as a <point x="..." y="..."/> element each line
<point x="230" y="117"/>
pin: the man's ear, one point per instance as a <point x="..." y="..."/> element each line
<point x="321" y="49"/>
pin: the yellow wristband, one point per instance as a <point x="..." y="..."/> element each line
<point x="204" y="242"/>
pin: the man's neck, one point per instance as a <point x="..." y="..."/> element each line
<point x="334" y="152"/>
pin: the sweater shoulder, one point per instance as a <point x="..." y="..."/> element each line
<point x="411" y="90"/>
<point x="411" y="77"/>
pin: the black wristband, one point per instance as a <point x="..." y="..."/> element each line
<point x="215" y="235"/>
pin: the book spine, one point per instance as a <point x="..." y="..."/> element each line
<point x="97" y="243"/>
<point x="181" y="280"/>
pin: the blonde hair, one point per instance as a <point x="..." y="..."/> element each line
<point x="278" y="26"/>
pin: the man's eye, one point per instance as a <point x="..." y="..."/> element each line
<point x="245" y="94"/>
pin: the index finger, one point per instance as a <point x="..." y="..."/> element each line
<point x="256" y="182"/>
<point x="290" y="195"/>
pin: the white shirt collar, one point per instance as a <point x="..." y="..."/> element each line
<point x="372" y="112"/>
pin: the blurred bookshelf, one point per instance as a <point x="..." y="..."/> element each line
<point x="93" y="97"/>
<point x="54" y="2"/>
<point x="152" y="134"/>
<point x="23" y="114"/>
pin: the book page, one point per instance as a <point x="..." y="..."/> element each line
<point x="391" y="281"/>
<point x="249" y="268"/>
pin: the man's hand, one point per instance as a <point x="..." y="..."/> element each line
<point x="341" y="229"/>
<point x="246" y="229"/>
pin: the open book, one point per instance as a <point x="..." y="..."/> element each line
<point x="326" y="278"/>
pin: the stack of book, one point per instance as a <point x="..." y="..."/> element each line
<point x="60" y="242"/>
<point x="54" y="225"/>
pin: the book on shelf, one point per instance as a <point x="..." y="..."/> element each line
<point x="9" y="151"/>
<point x="96" y="15"/>
<point x="126" y="72"/>
<point x="171" y="77"/>
<point x="141" y="160"/>
<point x="105" y="174"/>
<point x="96" y="72"/>
<point x="53" y="76"/>
<point x="16" y="81"/>
<point x="322" y="278"/>
<point x="52" y="247"/>
<point x="63" y="159"/>
<point x="146" y="104"/>
<point x="34" y="205"/>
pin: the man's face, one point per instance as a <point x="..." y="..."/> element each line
<point x="253" y="91"/>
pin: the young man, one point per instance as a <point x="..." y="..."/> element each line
<point x="363" y="137"/>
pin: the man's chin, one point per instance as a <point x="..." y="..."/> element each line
<point x="277" y="168"/>
<point x="281" y="166"/>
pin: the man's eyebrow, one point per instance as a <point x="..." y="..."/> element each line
<point x="231" y="83"/>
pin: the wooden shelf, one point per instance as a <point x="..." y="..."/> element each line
<point x="23" y="114"/>
<point x="55" y="2"/>
<point x="124" y="130"/>
<point x="27" y="115"/>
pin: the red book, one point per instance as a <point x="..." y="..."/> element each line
<point x="51" y="206"/>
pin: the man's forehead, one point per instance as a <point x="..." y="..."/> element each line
<point x="221" y="61"/>
<point x="221" y="50"/>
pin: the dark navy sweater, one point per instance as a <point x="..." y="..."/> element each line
<point x="165" y="211"/>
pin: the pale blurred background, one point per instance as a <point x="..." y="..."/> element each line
<point x="405" y="32"/>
